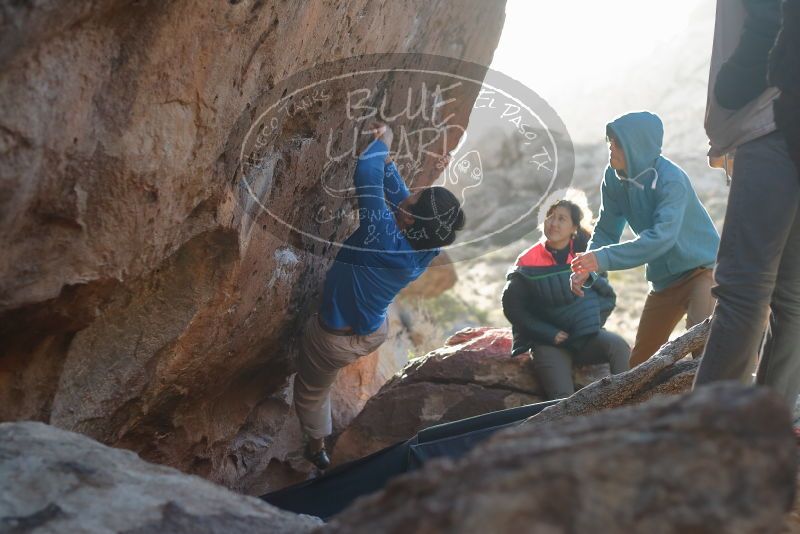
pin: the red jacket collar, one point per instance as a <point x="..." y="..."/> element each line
<point x="539" y="256"/>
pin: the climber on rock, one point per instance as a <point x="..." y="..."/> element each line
<point x="399" y="233"/>
<point x="561" y="328"/>
<point x="674" y="235"/>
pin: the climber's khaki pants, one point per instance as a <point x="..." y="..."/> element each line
<point x="663" y="310"/>
<point x="321" y="356"/>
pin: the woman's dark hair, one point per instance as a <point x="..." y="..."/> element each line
<point x="437" y="216"/>
<point x="576" y="215"/>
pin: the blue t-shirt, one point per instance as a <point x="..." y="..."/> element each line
<point x="377" y="260"/>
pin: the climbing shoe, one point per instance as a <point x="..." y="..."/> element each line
<point x="319" y="458"/>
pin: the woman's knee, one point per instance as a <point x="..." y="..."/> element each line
<point x="553" y="368"/>
<point x="619" y="347"/>
<point x="618" y="352"/>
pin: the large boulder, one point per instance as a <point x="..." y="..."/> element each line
<point x="145" y="299"/>
<point x="473" y="373"/>
<point x="722" y="459"/>
<point x="52" y="480"/>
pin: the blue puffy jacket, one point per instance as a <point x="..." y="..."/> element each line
<point x="538" y="303"/>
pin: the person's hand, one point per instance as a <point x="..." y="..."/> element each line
<point x="585" y="263"/>
<point x="443" y="162"/>
<point x="560" y="337"/>
<point x="576" y="281"/>
<point x="382" y="131"/>
<point x="721" y="162"/>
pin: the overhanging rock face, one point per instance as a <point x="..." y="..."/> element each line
<point x="142" y="301"/>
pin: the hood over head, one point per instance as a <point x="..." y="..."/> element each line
<point x="640" y="135"/>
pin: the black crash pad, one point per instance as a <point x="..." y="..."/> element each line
<point x="329" y="494"/>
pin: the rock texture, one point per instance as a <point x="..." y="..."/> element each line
<point x="471" y="374"/>
<point x="52" y="480"/>
<point x="139" y="303"/>
<point x="722" y="459"/>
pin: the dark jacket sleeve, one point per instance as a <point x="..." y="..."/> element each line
<point x="517" y="306"/>
<point x="784" y="73"/>
<point x="744" y="75"/>
<point x="784" y="59"/>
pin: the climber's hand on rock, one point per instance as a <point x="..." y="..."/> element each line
<point x="576" y="281"/>
<point x="381" y="130"/>
<point x="443" y="162"/>
<point x="560" y="337"/>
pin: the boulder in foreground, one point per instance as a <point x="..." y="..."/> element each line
<point x="52" y="480"/>
<point x="721" y="459"/>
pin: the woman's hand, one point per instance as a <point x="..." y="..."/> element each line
<point x="576" y="281"/>
<point x="560" y="337"/>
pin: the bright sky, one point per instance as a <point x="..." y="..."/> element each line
<point x="553" y="46"/>
<point x="546" y="43"/>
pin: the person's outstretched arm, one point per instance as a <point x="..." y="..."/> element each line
<point x="368" y="180"/>
<point x="376" y="225"/>
<point x="394" y="187"/>
<point x="656" y="240"/>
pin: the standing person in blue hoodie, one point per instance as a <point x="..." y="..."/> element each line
<point x="399" y="233"/>
<point x="675" y="237"/>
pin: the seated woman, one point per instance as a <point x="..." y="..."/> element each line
<point x="561" y="328"/>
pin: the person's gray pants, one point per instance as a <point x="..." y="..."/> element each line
<point x="321" y="356"/>
<point x="553" y="365"/>
<point x="758" y="273"/>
